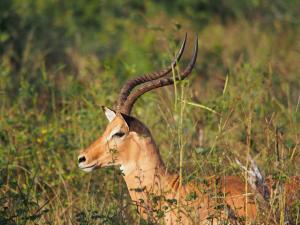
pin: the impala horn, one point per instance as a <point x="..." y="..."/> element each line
<point x="153" y="80"/>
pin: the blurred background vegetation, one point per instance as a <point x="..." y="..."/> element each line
<point x="60" y="60"/>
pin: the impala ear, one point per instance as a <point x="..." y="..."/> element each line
<point x="135" y="125"/>
<point x="109" y="113"/>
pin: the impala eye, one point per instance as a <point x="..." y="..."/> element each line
<point x="119" y="134"/>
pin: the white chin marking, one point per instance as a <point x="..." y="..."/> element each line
<point x="88" y="169"/>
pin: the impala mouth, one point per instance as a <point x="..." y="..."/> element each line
<point x="87" y="168"/>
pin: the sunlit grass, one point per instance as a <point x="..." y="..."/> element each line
<point x="242" y="98"/>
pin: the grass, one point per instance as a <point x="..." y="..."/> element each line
<point x="242" y="98"/>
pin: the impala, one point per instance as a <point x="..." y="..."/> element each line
<point x="128" y="143"/>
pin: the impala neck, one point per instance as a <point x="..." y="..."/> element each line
<point x="144" y="171"/>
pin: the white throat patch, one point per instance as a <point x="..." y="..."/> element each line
<point x="122" y="168"/>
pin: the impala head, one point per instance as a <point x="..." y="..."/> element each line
<point x="112" y="148"/>
<point x="116" y="145"/>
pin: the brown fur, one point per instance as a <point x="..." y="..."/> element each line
<point x="155" y="190"/>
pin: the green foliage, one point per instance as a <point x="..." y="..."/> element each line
<point x="61" y="60"/>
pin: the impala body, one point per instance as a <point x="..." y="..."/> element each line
<point x="128" y="143"/>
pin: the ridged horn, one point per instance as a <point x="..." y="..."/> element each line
<point x="132" y="83"/>
<point x="160" y="82"/>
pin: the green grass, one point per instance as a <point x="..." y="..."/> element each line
<point x="243" y="97"/>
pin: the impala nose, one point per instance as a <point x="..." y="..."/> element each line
<point x="81" y="159"/>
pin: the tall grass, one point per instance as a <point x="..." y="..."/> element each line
<point x="242" y="99"/>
